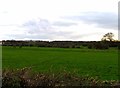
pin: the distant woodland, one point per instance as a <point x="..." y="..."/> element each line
<point x="62" y="44"/>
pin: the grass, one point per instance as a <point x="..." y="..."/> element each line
<point x="83" y="62"/>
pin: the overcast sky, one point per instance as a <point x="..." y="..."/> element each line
<point x="81" y="20"/>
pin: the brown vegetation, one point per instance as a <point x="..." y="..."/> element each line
<point x="25" y="78"/>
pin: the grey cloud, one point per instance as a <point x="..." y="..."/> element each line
<point x="101" y="19"/>
<point x="44" y="27"/>
<point x="41" y="36"/>
<point x="64" y="24"/>
<point x="41" y="29"/>
<point x="36" y="26"/>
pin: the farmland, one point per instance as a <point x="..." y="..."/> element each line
<point x="91" y="62"/>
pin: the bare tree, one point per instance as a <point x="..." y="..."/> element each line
<point x="108" y="37"/>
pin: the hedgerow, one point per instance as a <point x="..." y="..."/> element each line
<point x="25" y="78"/>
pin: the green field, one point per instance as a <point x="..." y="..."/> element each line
<point x="91" y="62"/>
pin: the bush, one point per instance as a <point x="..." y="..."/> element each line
<point x="100" y="45"/>
<point x="90" y="46"/>
<point x="23" y="78"/>
<point x="119" y="47"/>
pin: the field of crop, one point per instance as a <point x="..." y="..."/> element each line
<point x="91" y="62"/>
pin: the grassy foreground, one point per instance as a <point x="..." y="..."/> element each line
<point x="83" y="62"/>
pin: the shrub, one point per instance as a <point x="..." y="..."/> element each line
<point x="23" y="78"/>
<point x="90" y="46"/>
<point x="100" y="45"/>
<point x="119" y="47"/>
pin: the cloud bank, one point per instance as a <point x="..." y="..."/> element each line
<point x="57" y="19"/>
<point x="106" y="20"/>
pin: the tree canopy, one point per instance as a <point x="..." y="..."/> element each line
<point x="108" y="37"/>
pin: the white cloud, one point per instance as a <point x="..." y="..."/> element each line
<point x="15" y="13"/>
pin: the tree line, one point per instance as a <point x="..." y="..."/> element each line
<point x="106" y="42"/>
<point x="62" y="44"/>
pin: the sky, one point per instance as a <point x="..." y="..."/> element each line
<point x="50" y="20"/>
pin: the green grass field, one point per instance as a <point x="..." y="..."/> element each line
<point x="100" y="63"/>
